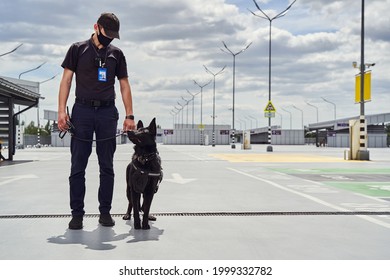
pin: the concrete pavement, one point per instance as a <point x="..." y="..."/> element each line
<point x="296" y="203"/>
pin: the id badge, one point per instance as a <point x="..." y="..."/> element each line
<point x="102" y="74"/>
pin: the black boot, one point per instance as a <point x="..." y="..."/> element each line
<point x="106" y="220"/>
<point x="76" y="222"/>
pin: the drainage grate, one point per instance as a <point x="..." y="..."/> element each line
<point x="217" y="214"/>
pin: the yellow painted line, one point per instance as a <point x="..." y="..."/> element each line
<point x="276" y="158"/>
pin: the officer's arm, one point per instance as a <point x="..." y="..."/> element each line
<point x="65" y="85"/>
<point x="127" y="102"/>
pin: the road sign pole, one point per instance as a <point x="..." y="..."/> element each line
<point x="269" y="112"/>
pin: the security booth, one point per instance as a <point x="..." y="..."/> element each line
<point x="14" y="92"/>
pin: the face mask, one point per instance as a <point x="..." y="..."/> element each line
<point x="105" y="41"/>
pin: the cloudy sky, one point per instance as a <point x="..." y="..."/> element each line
<point x="168" y="42"/>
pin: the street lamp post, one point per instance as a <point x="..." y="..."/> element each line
<point x="334" y="105"/>
<point x="173" y="118"/>
<point x="48" y="79"/>
<point x="250" y="119"/>
<point x="182" y="114"/>
<point x="32" y="70"/>
<point x="193" y="106"/>
<point x="186" y="102"/>
<point x="363" y="153"/>
<point x="244" y="122"/>
<point x="257" y="123"/>
<point x="281" y="119"/>
<point x="234" y="83"/>
<point x="290" y="117"/>
<point x="11" y="50"/>
<point x="39" y="90"/>
<point x="295" y="107"/>
<point x="178" y="116"/>
<point x="314" y="107"/>
<point x="214" y="75"/>
<point x="201" y="108"/>
<point x="265" y="16"/>
<point x="39" y="125"/>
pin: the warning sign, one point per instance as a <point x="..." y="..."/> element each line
<point x="270" y="107"/>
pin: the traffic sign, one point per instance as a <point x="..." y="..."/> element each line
<point x="270" y="107"/>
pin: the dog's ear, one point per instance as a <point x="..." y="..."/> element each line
<point x="152" y="127"/>
<point x="140" y="124"/>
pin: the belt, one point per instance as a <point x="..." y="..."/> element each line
<point x="95" y="103"/>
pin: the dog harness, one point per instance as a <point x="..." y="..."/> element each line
<point x="149" y="173"/>
<point x="143" y="160"/>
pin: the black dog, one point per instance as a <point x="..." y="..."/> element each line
<point x="143" y="174"/>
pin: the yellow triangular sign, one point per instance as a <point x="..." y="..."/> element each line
<point x="270" y="107"/>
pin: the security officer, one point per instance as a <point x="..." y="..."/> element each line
<point x="96" y="63"/>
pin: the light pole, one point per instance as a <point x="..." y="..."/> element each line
<point x="39" y="90"/>
<point x="314" y="107"/>
<point x="11" y="51"/>
<point x="295" y="107"/>
<point x="250" y="119"/>
<point x="281" y="119"/>
<point x="253" y="118"/>
<point x="48" y="79"/>
<point x="39" y="125"/>
<point x="186" y="102"/>
<point x="178" y="116"/>
<point x="182" y="113"/>
<point x="265" y="16"/>
<point x="290" y="117"/>
<point x="234" y="83"/>
<point x="201" y="108"/>
<point x="334" y="105"/>
<point x="193" y="106"/>
<point x="32" y="70"/>
<point x="362" y="153"/>
<point x="243" y="121"/>
<point x="214" y="75"/>
<point x="173" y="113"/>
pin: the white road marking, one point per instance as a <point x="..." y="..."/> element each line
<point x="16" y="178"/>
<point x="312" y="198"/>
<point x="178" y="179"/>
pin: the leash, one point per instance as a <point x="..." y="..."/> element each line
<point x="71" y="128"/>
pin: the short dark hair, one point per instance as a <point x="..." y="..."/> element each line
<point x="110" y="23"/>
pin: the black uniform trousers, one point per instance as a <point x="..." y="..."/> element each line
<point x="88" y="120"/>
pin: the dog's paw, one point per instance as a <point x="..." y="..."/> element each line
<point x="126" y="217"/>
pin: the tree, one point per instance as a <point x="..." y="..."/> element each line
<point x="31" y="129"/>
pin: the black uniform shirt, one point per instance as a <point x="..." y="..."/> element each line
<point x="81" y="59"/>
